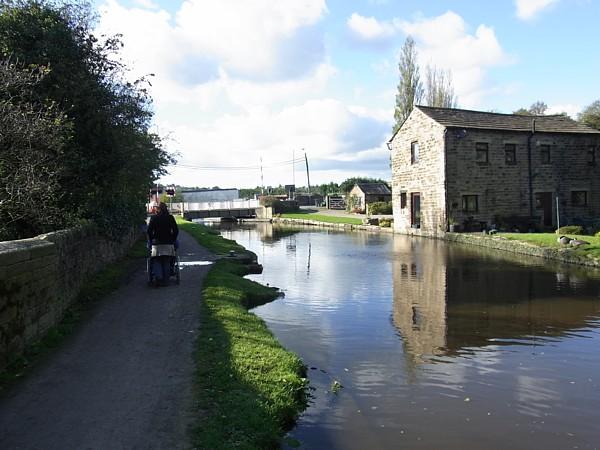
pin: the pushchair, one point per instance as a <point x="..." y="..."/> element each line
<point x="165" y="259"/>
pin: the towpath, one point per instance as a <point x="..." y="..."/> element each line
<point x="123" y="380"/>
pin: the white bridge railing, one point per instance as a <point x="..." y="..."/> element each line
<point x="212" y="206"/>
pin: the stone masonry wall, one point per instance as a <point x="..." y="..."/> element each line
<point x="503" y="189"/>
<point x="42" y="276"/>
<point x="427" y="176"/>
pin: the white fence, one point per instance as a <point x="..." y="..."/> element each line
<point x="212" y="206"/>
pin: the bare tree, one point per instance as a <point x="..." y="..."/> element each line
<point x="439" y="91"/>
<point x="410" y="88"/>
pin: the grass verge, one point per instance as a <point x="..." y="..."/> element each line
<point x="98" y="287"/>
<point x="250" y="390"/>
<point x="322" y="218"/>
<point x="550" y="240"/>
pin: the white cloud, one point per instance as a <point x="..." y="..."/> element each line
<point x="444" y="41"/>
<point x="369" y="29"/>
<point x="528" y="9"/>
<point x="235" y="82"/>
<point x="570" y="109"/>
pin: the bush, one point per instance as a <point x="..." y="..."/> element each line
<point x="570" y="229"/>
<point x="380" y="208"/>
<point x="597" y="234"/>
<point x="386" y="223"/>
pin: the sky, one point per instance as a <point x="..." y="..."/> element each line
<point x="244" y="89"/>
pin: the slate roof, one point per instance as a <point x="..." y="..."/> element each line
<point x="374" y="188"/>
<point x="462" y="118"/>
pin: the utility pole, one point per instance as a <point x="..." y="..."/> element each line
<point x="307" y="175"/>
<point x="294" y="172"/>
<point x="262" y="183"/>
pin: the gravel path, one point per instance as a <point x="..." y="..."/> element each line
<point x="124" y="380"/>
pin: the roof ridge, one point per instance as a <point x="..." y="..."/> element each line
<point x="495" y="113"/>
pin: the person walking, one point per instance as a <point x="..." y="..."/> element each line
<point x="162" y="240"/>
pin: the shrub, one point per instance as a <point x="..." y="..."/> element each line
<point x="597" y="234"/>
<point x="386" y="223"/>
<point x="570" y="229"/>
<point x="380" y="208"/>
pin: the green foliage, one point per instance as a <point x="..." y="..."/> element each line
<point x="380" y="208"/>
<point x="249" y="389"/>
<point x="410" y="88"/>
<point x="590" y="115"/>
<point x="104" y="169"/>
<point x="570" y="229"/>
<point x="347" y="185"/>
<point x="597" y="234"/>
<point x="352" y="204"/>
<point x="33" y="135"/>
<point x="386" y="223"/>
<point x="538" y="108"/>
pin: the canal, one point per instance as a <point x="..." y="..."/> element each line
<point x="416" y="343"/>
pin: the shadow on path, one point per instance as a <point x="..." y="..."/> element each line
<point x="124" y="380"/>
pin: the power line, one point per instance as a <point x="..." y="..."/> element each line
<point x="247" y="168"/>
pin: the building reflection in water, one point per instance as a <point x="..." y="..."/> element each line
<point x="449" y="299"/>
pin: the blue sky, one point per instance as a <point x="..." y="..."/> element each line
<point x="237" y="81"/>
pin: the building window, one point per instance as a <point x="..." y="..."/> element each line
<point x="403" y="200"/>
<point x="545" y="154"/>
<point x="510" y="154"/>
<point x="414" y="152"/>
<point x="470" y="203"/>
<point x="481" y="152"/>
<point x="591" y="159"/>
<point x="579" y="198"/>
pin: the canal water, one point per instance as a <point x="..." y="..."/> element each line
<point x="417" y="343"/>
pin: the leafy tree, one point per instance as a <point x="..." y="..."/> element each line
<point x="32" y="139"/>
<point x="347" y="185"/>
<point x="590" y="115"/>
<point x="439" y="91"/>
<point x="111" y="157"/>
<point x="538" y="108"/>
<point x="410" y="88"/>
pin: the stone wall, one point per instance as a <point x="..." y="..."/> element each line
<point x="42" y="276"/>
<point x="503" y="189"/>
<point x="426" y="176"/>
<point x="448" y="170"/>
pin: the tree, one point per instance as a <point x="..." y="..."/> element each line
<point x="410" y="88"/>
<point x="590" y="115"/>
<point x="538" y="108"/>
<point x="32" y="139"/>
<point x="111" y="157"/>
<point x="439" y="91"/>
<point x="347" y="185"/>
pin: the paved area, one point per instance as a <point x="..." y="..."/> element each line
<point x="124" y="380"/>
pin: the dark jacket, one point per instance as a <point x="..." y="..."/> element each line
<point x="162" y="229"/>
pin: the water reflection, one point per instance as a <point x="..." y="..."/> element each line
<point x="437" y="346"/>
<point x="449" y="300"/>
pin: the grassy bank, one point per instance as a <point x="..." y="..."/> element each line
<point x="322" y="218"/>
<point x="249" y="389"/>
<point x="98" y="287"/>
<point x="550" y="240"/>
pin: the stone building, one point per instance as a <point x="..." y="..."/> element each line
<point x="364" y="193"/>
<point x="477" y="169"/>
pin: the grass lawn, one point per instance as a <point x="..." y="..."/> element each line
<point x="249" y="389"/>
<point x="550" y="240"/>
<point x="322" y="218"/>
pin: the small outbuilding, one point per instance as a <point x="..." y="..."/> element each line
<point x="362" y="194"/>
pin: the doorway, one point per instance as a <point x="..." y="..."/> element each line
<point x="415" y="210"/>
<point x="543" y="203"/>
